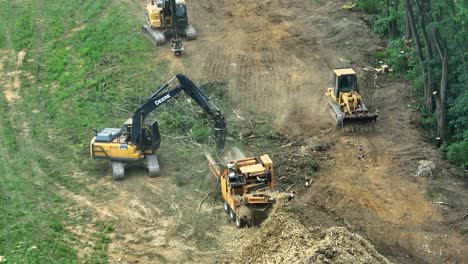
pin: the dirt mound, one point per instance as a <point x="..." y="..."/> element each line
<point x="338" y="245"/>
<point x="282" y="238"/>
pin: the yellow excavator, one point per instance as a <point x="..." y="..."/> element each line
<point x="138" y="140"/>
<point x="168" y="19"/>
<point x="345" y="101"/>
<point x="248" y="183"/>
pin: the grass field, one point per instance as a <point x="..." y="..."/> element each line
<point x="82" y="55"/>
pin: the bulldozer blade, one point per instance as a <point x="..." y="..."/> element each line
<point x="360" y="124"/>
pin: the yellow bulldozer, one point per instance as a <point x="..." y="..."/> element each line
<point x="345" y="101"/>
<point x="246" y="183"/>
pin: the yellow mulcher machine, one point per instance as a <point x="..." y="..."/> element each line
<point x="246" y="183"/>
<point x="346" y="103"/>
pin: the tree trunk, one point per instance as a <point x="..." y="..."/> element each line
<point x="387" y="13"/>
<point x="428" y="82"/>
<point x="408" y="34"/>
<point x="419" y="52"/>
<point x="442" y="122"/>
<point x="393" y="23"/>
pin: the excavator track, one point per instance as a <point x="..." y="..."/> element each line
<point x="190" y="32"/>
<point x="153" y="165"/>
<point x="156" y="36"/>
<point x="118" y="170"/>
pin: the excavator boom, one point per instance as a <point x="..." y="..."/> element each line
<point x="160" y="97"/>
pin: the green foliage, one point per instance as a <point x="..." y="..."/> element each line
<point x="450" y="18"/>
<point x="180" y="180"/>
<point x="396" y="55"/>
<point x="183" y="116"/>
<point x="429" y="123"/>
<point x="370" y="6"/>
<point x="201" y="131"/>
<point x="457" y="151"/>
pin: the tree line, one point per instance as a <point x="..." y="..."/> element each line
<point x="426" y="43"/>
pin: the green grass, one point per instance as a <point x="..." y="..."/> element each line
<point x="31" y="229"/>
<point x="77" y="72"/>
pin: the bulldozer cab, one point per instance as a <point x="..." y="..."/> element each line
<point x="344" y="80"/>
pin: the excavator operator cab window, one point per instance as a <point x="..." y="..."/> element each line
<point x="347" y="83"/>
<point x="180" y="11"/>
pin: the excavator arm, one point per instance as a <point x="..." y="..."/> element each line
<point x="160" y="97"/>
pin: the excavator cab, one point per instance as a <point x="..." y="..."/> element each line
<point x="181" y="14"/>
<point x="150" y="135"/>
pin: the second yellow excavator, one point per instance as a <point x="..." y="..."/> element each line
<point x="168" y="19"/>
<point x="345" y="100"/>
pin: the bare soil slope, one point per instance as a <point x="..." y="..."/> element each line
<point x="277" y="58"/>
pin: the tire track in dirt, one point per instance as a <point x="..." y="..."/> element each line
<point x="239" y="44"/>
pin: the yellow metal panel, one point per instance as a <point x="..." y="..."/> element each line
<point x="154" y="15"/>
<point x="247" y="161"/>
<point x="253" y="169"/>
<point x="347" y="71"/>
<point x="115" y="150"/>
<point x="266" y="160"/>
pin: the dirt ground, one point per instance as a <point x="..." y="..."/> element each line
<point x="276" y="58"/>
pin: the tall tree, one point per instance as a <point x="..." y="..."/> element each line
<point x="441" y="99"/>
<point x="428" y="80"/>
<point x="391" y="8"/>
<point x="419" y="51"/>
